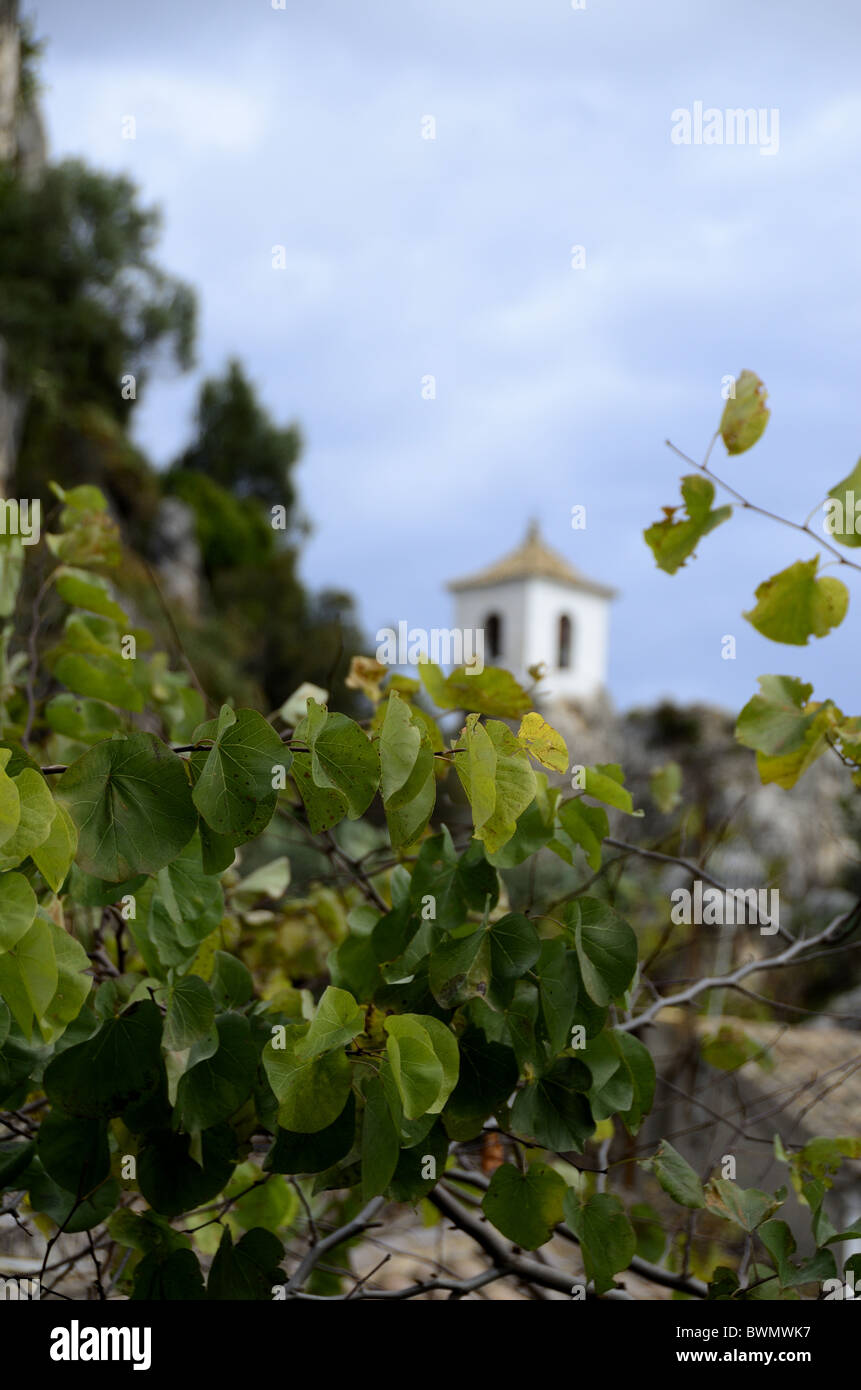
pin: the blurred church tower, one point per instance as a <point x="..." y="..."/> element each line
<point x="536" y="608"/>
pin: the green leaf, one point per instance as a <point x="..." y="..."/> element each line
<point x="269" y="882"/>
<point x="119" y="1064"/>
<point x="148" y="1232"/>
<point x="460" y="969"/>
<point x="53" y="857"/>
<point x="178" y="909"/>
<point x="272" y="1205"/>
<point x="11" y="571"/>
<point x="85" y="721"/>
<point x="586" y="826"/>
<point x="606" y="1236"/>
<point x="83" y="589"/>
<point x="314" y="1153"/>
<point x="95" y="892"/>
<point x="534" y="831"/>
<point x="794" y="605"/>
<point x="673" y="542"/>
<point x="380" y="1141"/>
<point x="676" y="1176"/>
<point x="131" y="802"/>
<point x="605" y="782"/>
<point x="29" y="975"/>
<point x="492" y="691"/>
<point x="17" y="909"/>
<point x="649" y="1229"/>
<point x="525" y="1207"/>
<point x="558" y="988"/>
<point x="638" y="1061"/>
<point x="778" y="719"/>
<point x="488" y="1075"/>
<point x="173" y="1278"/>
<point x="413" y="1177"/>
<point x="324" y="807"/>
<point x="214" y="1088"/>
<point x="63" y="1207"/>
<point x="494" y="766"/>
<point x="408" y="781"/>
<point x="352" y="964"/>
<point x="343" y="758"/>
<point x="400" y="744"/>
<point x="73" y="985"/>
<point x="247" y="1271"/>
<point x="788" y="732"/>
<point x="74" y="1152"/>
<point x="606" y="948"/>
<point x="476" y="769"/>
<point x="311" y="1092"/>
<point x="15" y="1159"/>
<point x="455" y="884"/>
<point x="10" y="801"/>
<point x="748" y="1207"/>
<point x="436" y="1035"/>
<point x="237" y="775"/>
<point x="170" y="1179"/>
<point x="190" y="1013"/>
<point x="37" y="812"/>
<point x="554" y="1110"/>
<point x="393" y="933"/>
<point x="101" y="676"/>
<point x="514" y="946"/>
<point x="745" y="415"/>
<point x="231" y="981"/>
<point x="417" y="1072"/>
<point x="337" y="1021"/>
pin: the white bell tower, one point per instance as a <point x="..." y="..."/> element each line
<point x="535" y="607"/>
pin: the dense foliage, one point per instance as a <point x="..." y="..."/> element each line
<point x="187" y="1111"/>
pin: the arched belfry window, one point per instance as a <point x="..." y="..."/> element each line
<point x="565" y="654"/>
<point x="493" y="635"/>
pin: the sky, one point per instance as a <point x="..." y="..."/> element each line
<point x="407" y="257"/>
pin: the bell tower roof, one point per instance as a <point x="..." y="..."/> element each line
<point x="532" y="559"/>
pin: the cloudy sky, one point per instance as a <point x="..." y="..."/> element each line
<point x="407" y="257"/>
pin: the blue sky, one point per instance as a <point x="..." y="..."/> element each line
<point x="405" y="256"/>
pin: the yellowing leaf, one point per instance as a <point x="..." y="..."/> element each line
<point x="794" y="605"/>
<point x="365" y="675"/>
<point x="543" y="742"/>
<point x="746" y="416"/>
